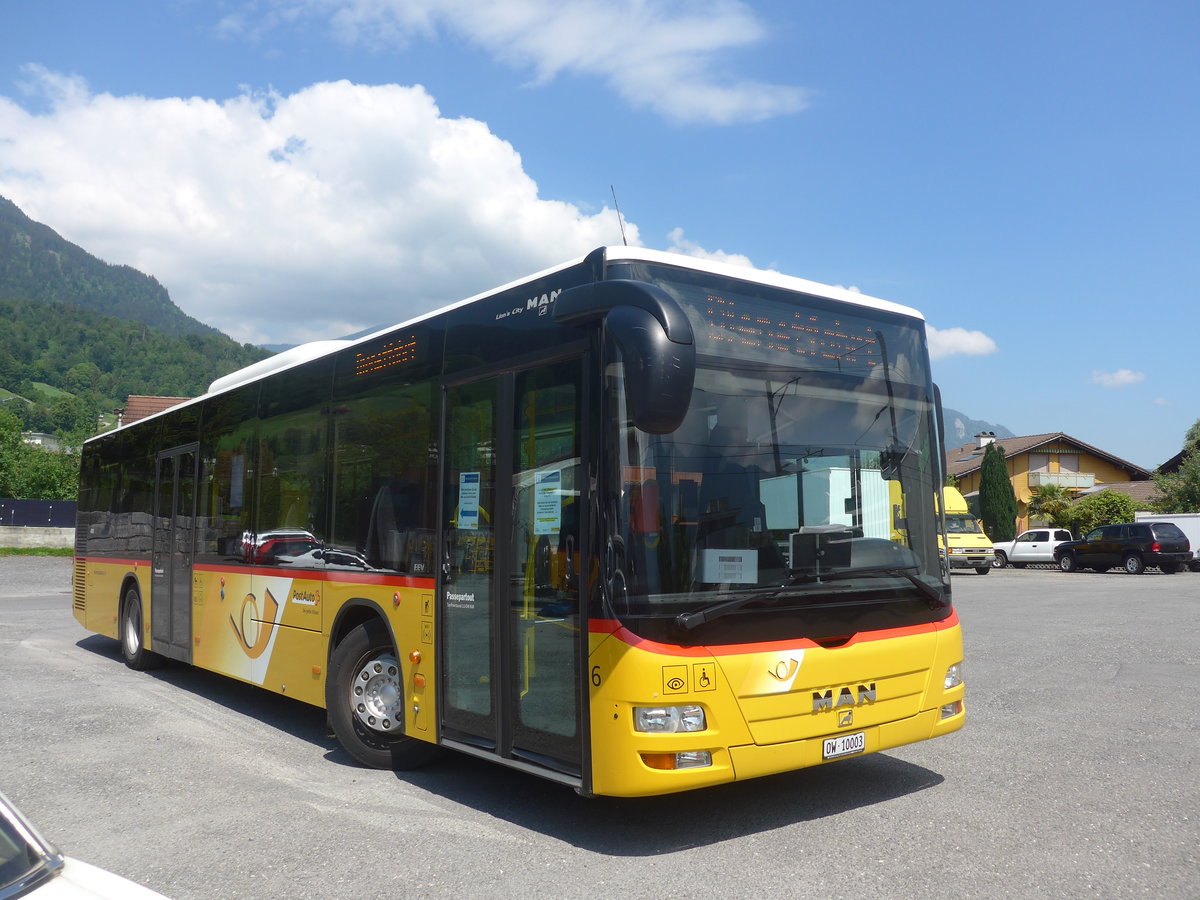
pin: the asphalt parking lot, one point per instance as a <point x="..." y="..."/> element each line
<point x="1075" y="776"/>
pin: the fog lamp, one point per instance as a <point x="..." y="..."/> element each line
<point x="952" y="709"/>
<point x="690" y="759"/>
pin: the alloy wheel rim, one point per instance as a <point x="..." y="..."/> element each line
<point x="376" y="696"/>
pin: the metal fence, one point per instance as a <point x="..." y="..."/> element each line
<point x="38" y="513"/>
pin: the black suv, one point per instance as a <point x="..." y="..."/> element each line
<point x="1132" y="546"/>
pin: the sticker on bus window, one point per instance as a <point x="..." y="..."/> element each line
<point x="547" y="504"/>
<point x="468" y="501"/>
<point x="730" y="567"/>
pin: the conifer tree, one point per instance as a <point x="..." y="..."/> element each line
<point x="997" y="502"/>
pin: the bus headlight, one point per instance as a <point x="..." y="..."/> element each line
<point x="953" y="676"/>
<point x="668" y="719"/>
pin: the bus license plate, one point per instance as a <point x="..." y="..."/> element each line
<point x="845" y="745"/>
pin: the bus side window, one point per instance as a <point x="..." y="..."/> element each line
<point x="395" y="539"/>
<point x="383" y="428"/>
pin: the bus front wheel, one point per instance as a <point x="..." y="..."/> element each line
<point x="365" y="699"/>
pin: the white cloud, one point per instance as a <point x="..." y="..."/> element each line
<point x="288" y="218"/>
<point x="656" y="54"/>
<point x="945" y="342"/>
<point x="1118" y="379"/>
<point x="680" y="244"/>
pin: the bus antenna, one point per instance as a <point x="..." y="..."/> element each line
<point x="620" y="218"/>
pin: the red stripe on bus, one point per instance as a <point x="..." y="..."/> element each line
<point x="338" y="576"/>
<point x="623" y="634"/>
<point x="407" y="581"/>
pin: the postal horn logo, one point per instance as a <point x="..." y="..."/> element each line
<point x="255" y="626"/>
<point x="784" y="670"/>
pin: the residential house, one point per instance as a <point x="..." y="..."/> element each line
<point x="1040" y="459"/>
<point x="41" y="439"/>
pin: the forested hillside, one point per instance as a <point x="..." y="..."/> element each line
<point x="38" y="264"/>
<point x="47" y="349"/>
<point x="78" y="336"/>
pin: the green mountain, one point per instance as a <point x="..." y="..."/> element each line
<point x="36" y="263"/>
<point x="78" y="336"/>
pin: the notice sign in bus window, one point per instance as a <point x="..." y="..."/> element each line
<point x="468" y="500"/>
<point x="547" y="502"/>
<point x="730" y="566"/>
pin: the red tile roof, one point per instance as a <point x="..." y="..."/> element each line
<point x="139" y="406"/>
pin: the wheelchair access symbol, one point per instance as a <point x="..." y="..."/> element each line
<point x="704" y="676"/>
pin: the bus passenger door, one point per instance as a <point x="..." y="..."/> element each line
<point x="543" y="587"/>
<point x="511" y="618"/>
<point x="468" y="565"/>
<point x="174" y="533"/>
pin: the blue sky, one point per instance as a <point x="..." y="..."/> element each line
<point x="1025" y="174"/>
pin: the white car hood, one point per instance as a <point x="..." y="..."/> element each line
<point x="82" y="881"/>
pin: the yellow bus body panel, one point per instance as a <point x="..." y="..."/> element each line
<point x="97" y="605"/>
<point x="270" y="627"/>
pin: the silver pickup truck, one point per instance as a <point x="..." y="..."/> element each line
<point x="1033" y="546"/>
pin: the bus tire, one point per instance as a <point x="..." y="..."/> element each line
<point x="133" y="644"/>
<point x="365" y="701"/>
<point x="982" y="570"/>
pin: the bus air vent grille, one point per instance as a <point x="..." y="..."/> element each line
<point x="80" y="597"/>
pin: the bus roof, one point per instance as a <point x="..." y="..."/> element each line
<point x="303" y="353"/>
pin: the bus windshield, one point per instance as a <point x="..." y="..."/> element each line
<point x="797" y="497"/>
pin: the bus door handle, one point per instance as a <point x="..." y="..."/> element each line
<point x="448" y="557"/>
<point x="569" y="564"/>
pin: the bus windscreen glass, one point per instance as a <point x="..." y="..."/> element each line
<point x="796" y="499"/>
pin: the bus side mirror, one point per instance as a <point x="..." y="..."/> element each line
<point x="655" y="339"/>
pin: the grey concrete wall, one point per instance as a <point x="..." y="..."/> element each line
<point x="17" y="536"/>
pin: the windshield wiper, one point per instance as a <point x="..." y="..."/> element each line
<point x="692" y="620"/>
<point x="688" y="621"/>
<point x="905" y="572"/>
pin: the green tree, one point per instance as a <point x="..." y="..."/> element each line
<point x="1179" y="492"/>
<point x="1103" y="508"/>
<point x="10" y="453"/>
<point x="997" y="502"/>
<point x="48" y="476"/>
<point x="1050" y="502"/>
<point x="1192" y="438"/>
<point x="31" y="473"/>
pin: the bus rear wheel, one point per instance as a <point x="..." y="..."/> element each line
<point x="133" y="645"/>
<point x="365" y="699"/>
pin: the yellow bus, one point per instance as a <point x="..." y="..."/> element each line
<point x="628" y="524"/>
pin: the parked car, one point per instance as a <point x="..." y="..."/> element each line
<point x="1033" y="546"/>
<point x="30" y="866"/>
<point x="1132" y="545"/>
